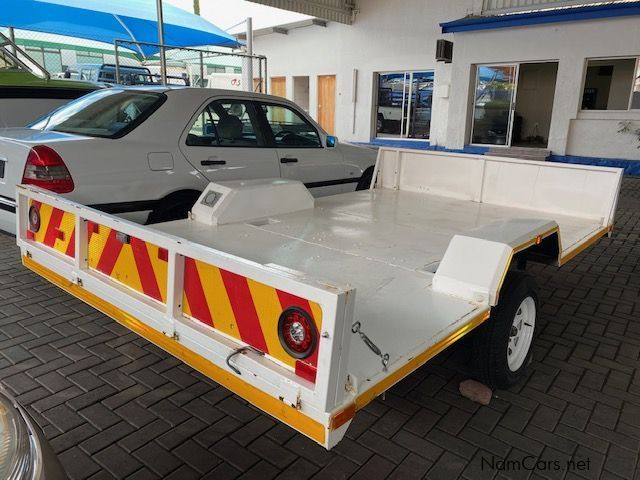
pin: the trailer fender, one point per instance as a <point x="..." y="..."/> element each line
<point x="475" y="264"/>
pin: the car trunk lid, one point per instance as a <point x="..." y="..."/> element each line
<point x="15" y="145"/>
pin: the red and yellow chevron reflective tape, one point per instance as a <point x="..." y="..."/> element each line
<point x="135" y="263"/>
<point x="56" y="228"/>
<point x="245" y="310"/>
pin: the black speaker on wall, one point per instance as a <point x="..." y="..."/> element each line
<point x="444" y="51"/>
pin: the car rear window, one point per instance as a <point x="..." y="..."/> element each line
<point x="108" y="113"/>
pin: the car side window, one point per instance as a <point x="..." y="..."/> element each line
<point x="289" y="128"/>
<point x="225" y="123"/>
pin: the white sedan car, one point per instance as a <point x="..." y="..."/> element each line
<point x="147" y="153"/>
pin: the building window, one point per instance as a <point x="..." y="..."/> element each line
<point x="612" y="84"/>
<point x="89" y="57"/>
<point x="404" y="104"/>
<point x="49" y="58"/>
<point x="214" y="69"/>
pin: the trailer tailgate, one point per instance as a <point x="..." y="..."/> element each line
<point x="217" y="312"/>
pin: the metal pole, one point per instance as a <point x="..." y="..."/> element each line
<point x="12" y="37"/>
<point x="247" y="70"/>
<point x="259" y="76"/>
<point x="266" y="83"/>
<point x="163" y="58"/>
<point x="202" y="70"/>
<point x="117" y="62"/>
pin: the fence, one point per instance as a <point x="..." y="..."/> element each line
<point x="71" y="57"/>
<point x="199" y="67"/>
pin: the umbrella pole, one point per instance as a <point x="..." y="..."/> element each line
<point x="247" y="67"/>
<point x="163" y="58"/>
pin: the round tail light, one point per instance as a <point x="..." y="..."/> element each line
<point x="297" y="332"/>
<point x="34" y="218"/>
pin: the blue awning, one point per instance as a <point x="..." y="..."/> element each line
<point x="553" y="15"/>
<point x="107" y="21"/>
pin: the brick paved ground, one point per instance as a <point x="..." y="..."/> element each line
<point x="115" y="406"/>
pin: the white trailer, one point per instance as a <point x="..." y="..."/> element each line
<point x="309" y="309"/>
<point x="227" y="81"/>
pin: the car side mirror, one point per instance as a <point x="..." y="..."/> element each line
<point x="331" y="141"/>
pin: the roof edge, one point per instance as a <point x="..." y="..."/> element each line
<point x="571" y="14"/>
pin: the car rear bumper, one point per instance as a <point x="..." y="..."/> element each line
<point x="7" y="215"/>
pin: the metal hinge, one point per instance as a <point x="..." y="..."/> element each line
<point x="175" y="336"/>
<point x="75" y="278"/>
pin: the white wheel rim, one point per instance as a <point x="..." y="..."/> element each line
<point x="521" y="334"/>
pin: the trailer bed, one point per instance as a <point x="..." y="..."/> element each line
<point x="385" y="244"/>
<point x="371" y="230"/>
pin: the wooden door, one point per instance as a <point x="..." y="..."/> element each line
<point x="279" y="86"/>
<point x="327" y="102"/>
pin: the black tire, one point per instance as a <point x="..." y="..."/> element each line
<point x="175" y="206"/>
<point x="365" y="180"/>
<point x="491" y="340"/>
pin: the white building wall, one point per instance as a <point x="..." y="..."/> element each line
<point x="386" y="36"/>
<point x="571" y="44"/>
<point x="400" y="36"/>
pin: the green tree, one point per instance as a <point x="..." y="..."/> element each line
<point x="196" y="7"/>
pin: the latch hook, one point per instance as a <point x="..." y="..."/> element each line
<point x="237" y="351"/>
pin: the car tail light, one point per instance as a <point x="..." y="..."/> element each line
<point x="34" y="218"/>
<point x="297" y="332"/>
<point x="46" y="169"/>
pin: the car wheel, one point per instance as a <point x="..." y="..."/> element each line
<point x="502" y="346"/>
<point x="365" y="180"/>
<point x="174" y="207"/>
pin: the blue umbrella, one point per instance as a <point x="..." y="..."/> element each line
<point x="107" y="21"/>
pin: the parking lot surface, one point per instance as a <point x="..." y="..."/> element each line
<point x="113" y="405"/>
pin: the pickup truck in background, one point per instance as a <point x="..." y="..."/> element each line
<point x="310" y="308"/>
<point x="27" y="90"/>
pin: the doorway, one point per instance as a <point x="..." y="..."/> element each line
<point x="279" y="86"/>
<point x="513" y="104"/>
<point x="301" y="92"/>
<point x="327" y="103"/>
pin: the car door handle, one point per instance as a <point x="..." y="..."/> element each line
<point x="288" y="160"/>
<point x="213" y="162"/>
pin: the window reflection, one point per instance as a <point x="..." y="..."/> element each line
<point x="404" y="104"/>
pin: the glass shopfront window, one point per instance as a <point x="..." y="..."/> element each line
<point x="404" y="104"/>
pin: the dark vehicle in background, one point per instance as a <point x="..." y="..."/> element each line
<point x="128" y="75"/>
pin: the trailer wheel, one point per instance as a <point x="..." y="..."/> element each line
<point x="502" y="346"/>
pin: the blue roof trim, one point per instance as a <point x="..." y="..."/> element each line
<point x="631" y="167"/>
<point x="548" y="16"/>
